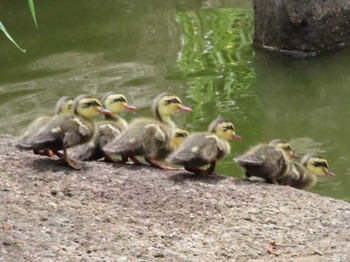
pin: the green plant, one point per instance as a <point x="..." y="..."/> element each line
<point x="7" y="34"/>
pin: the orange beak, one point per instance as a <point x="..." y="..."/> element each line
<point x="105" y="111"/>
<point x="185" y="109"/>
<point x="131" y="107"/>
<point x="329" y="173"/>
<point x="237" y="137"/>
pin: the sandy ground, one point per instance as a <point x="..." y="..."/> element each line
<point x="110" y="212"/>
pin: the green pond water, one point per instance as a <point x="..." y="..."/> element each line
<point x="200" y="50"/>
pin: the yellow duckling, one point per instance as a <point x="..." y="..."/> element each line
<point x="64" y="106"/>
<point x="63" y="131"/>
<point x="106" y="130"/>
<point x="149" y="137"/>
<point x="286" y="147"/>
<point x="304" y="175"/>
<point x="267" y="161"/>
<point x="180" y="136"/>
<point x="201" y="149"/>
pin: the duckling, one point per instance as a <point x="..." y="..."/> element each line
<point x="64" y="106"/>
<point x="304" y="175"/>
<point x="180" y="136"/>
<point x="106" y="130"/>
<point x="201" y="149"/>
<point x="149" y="137"/>
<point x="267" y="161"/>
<point x="63" y="131"/>
<point x="286" y="147"/>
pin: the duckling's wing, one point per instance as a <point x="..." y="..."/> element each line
<point x="92" y="150"/>
<point x="106" y="132"/>
<point x="31" y="130"/>
<point x="140" y="136"/>
<point x="198" y="148"/>
<point x="258" y="155"/>
<point x="33" y="139"/>
<point x="246" y="161"/>
<point x="67" y="130"/>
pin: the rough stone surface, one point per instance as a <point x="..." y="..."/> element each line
<point x="302" y="26"/>
<point x="110" y="212"/>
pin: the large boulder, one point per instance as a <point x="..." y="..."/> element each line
<point x="302" y="26"/>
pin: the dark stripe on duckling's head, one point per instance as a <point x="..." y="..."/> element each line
<point x="173" y="100"/>
<point x="311" y="158"/>
<point x="317" y="165"/>
<point x="85" y="101"/>
<point x="167" y="104"/>
<point x="286" y="147"/>
<point x="181" y="133"/>
<point x="115" y="98"/>
<point x="214" y="124"/>
<point x="279" y="143"/>
<point x="320" y="163"/>
<point x="155" y="104"/>
<point x="223" y="129"/>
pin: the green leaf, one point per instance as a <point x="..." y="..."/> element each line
<point x="32" y="10"/>
<point x="2" y="27"/>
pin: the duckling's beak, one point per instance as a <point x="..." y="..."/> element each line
<point x="237" y="137"/>
<point x="105" y="111"/>
<point x="185" y="109"/>
<point x="131" y="107"/>
<point x="329" y="173"/>
<point x="294" y="156"/>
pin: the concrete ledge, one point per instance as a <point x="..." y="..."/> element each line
<point x="125" y="213"/>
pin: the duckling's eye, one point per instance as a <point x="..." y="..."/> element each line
<point x="180" y="134"/>
<point x="91" y="104"/>
<point x="120" y="99"/>
<point x="225" y="128"/>
<point x="287" y="148"/>
<point x="172" y="101"/>
<point x="320" y="164"/>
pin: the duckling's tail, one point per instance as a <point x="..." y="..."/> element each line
<point x="23" y="144"/>
<point x="248" y="161"/>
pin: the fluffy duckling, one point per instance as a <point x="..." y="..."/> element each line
<point x="267" y="161"/>
<point x="286" y="147"/>
<point x="180" y="136"/>
<point x="201" y="149"/>
<point x="106" y="130"/>
<point x="64" y="106"/>
<point x="63" y="132"/>
<point x="149" y="137"/>
<point x="304" y="175"/>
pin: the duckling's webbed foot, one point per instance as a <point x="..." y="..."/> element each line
<point x="73" y="164"/>
<point x="44" y="152"/>
<point x="69" y="162"/>
<point x="159" y="165"/>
